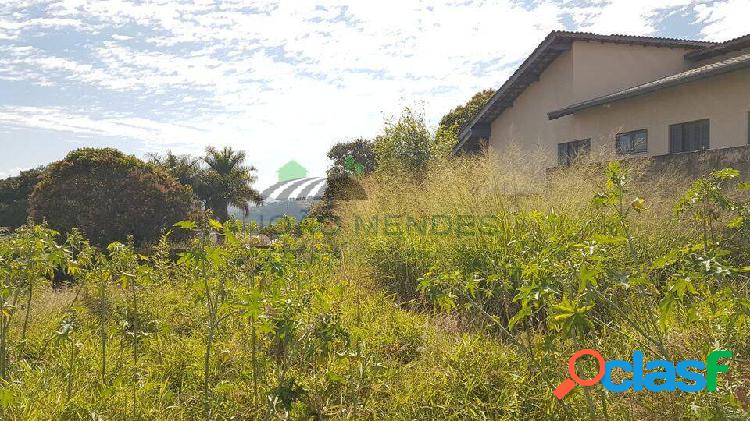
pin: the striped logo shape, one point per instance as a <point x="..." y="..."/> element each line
<point x="310" y="188"/>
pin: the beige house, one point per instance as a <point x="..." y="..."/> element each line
<point x="620" y="96"/>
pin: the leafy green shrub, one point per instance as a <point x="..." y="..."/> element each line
<point x="314" y="327"/>
<point x="109" y="196"/>
<point x="579" y="260"/>
<point x="14" y="197"/>
<point x="405" y="145"/>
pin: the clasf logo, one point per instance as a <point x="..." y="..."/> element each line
<point x="654" y="376"/>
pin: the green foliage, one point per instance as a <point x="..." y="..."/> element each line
<point x="705" y="200"/>
<point x="228" y="181"/>
<point x="28" y="261"/>
<point x="355" y="325"/>
<point x="350" y="161"/>
<point x="356" y="157"/>
<point x="14" y="197"/>
<point x="109" y="196"/>
<point x="405" y="145"/>
<point x="446" y="136"/>
<point x="224" y="180"/>
<point x="554" y="272"/>
<point x="186" y="169"/>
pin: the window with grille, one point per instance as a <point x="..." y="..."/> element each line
<point x="632" y="142"/>
<point x="690" y="136"/>
<point x="569" y="152"/>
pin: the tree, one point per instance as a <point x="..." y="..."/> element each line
<point x="109" y="196"/>
<point x="223" y="180"/>
<point x="405" y="145"/>
<point x="358" y="152"/>
<point x="185" y="168"/>
<point x="227" y="181"/>
<point x="446" y="136"/>
<point x="350" y="160"/>
<point x="14" y="197"/>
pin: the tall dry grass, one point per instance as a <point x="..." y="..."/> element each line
<point x="575" y="258"/>
<point x="501" y="186"/>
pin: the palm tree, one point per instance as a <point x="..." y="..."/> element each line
<point x="185" y="168"/>
<point x="228" y="181"/>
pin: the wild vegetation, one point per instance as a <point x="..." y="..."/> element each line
<point x="446" y="135"/>
<point x="110" y="195"/>
<point x="427" y="288"/>
<point x="390" y="314"/>
<point x="14" y="197"/>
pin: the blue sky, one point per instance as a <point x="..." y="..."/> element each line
<point x="281" y="80"/>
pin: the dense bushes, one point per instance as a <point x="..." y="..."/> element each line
<point x="14" y="197"/>
<point x="227" y="331"/>
<point x="398" y="320"/>
<point x="406" y="145"/>
<point x="109" y="196"/>
<point x="580" y="260"/>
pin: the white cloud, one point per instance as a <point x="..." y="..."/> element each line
<point x="631" y="17"/>
<point x="11" y="172"/>
<point x="725" y="20"/>
<point x="285" y="80"/>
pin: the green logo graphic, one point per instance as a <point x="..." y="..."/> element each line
<point x="291" y="170"/>
<point x="352" y="166"/>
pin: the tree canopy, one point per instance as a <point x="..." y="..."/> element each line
<point x="450" y="125"/>
<point x="14" y="197"/>
<point x="405" y="144"/>
<point x="357" y="156"/>
<point x="185" y="168"/>
<point x="218" y="179"/>
<point x="228" y="181"/>
<point x="109" y="196"/>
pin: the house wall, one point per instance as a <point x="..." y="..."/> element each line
<point x="587" y="70"/>
<point x="525" y="123"/>
<point x="602" y="68"/>
<point x="724" y="100"/>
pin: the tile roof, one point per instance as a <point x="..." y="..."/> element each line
<point x="691" y="75"/>
<point x="721" y="48"/>
<point x="547" y="51"/>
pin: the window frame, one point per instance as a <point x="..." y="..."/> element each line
<point x="631" y="133"/>
<point x="686" y="129"/>
<point x="585" y="145"/>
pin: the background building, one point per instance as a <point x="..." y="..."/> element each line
<point x="619" y="96"/>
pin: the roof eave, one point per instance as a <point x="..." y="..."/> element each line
<point x="466" y="129"/>
<point x="556" y="43"/>
<point x="718" y="49"/>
